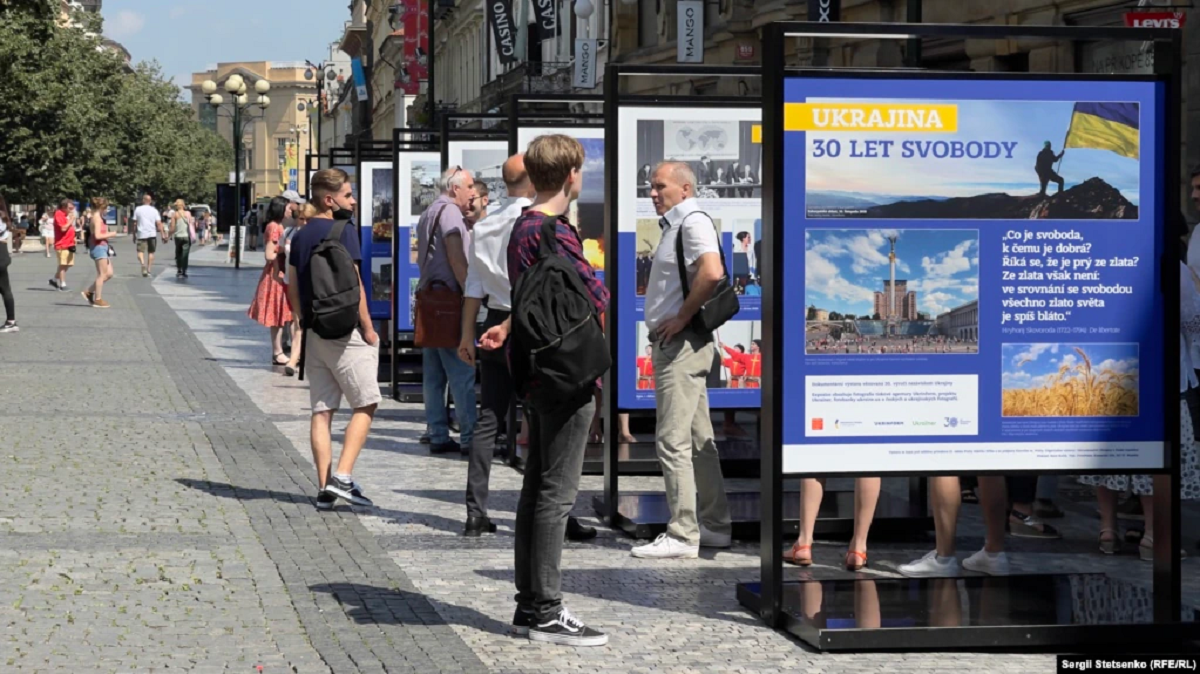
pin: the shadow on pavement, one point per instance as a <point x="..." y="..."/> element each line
<point x="367" y="604"/>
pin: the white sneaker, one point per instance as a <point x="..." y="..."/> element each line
<point x="711" y="539"/>
<point x="986" y="562"/>
<point x="931" y="565"/>
<point x="665" y="547"/>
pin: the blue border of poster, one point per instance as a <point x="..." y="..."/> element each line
<point x="851" y="400"/>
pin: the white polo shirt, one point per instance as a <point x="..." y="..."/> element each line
<point x="664" y="292"/>
<point x="487" y="259"/>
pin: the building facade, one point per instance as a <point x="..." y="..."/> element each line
<point x="906" y="301"/>
<point x="960" y="322"/>
<point x="270" y="139"/>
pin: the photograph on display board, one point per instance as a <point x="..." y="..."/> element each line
<point x="383" y="205"/>
<point x="975" y="160"/>
<point x="381" y="280"/>
<point x="722" y="153"/>
<point x="649" y="234"/>
<point x="588" y="212"/>
<point x="486" y="165"/>
<point x="423" y="180"/>
<point x="747" y="246"/>
<point x="412" y="241"/>
<point x="891" y="291"/>
<point x="737" y="357"/>
<point x="412" y="300"/>
<point x="1070" y="380"/>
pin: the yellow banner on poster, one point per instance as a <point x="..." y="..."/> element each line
<point x="756" y="134"/>
<point x="290" y="162"/>
<point x="871" y="117"/>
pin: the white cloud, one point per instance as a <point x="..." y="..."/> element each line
<point x="937" y="302"/>
<point x="821" y="277"/>
<point x="1031" y="354"/>
<point x="1016" y="380"/>
<point x="951" y="262"/>
<point x="124" y="24"/>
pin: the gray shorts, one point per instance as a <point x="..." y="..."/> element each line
<point x="341" y="367"/>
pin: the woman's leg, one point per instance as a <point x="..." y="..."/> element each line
<point x="276" y="342"/>
<point x="186" y="249"/>
<point x="945" y="500"/>
<point x="866" y="497"/>
<point x="294" y="360"/>
<point x="10" y="306"/>
<point x="812" y="490"/>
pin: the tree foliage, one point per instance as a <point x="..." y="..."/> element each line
<point x="77" y="123"/>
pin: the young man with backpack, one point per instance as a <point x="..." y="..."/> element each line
<point x="341" y="349"/>
<point x="557" y="353"/>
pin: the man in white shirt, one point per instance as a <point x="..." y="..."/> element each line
<point x="487" y="279"/>
<point x="149" y="228"/>
<point x="682" y="359"/>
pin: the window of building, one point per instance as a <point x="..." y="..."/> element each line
<point x="648" y="23"/>
<point x="281" y="150"/>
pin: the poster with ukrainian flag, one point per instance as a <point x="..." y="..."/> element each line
<point x="973" y="276"/>
<point x="971" y="159"/>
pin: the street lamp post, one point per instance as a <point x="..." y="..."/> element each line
<point x="236" y="86"/>
<point x="323" y="72"/>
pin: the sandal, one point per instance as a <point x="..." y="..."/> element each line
<point x="1146" y="549"/>
<point x="969" y="496"/>
<point x="855" y="560"/>
<point x="1028" y="526"/>
<point x="275" y="359"/>
<point x="800" y="555"/>
<point x="1047" y="510"/>
<point x="1111" y="546"/>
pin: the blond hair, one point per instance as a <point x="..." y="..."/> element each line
<point x="550" y="160"/>
<point x="100" y="204"/>
<point x="306" y="212"/>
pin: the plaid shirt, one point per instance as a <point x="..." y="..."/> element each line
<point x="526" y="241"/>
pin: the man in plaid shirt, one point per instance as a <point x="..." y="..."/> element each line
<point x="557" y="439"/>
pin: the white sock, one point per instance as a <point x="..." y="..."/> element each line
<point x="945" y="560"/>
<point x="343" y="478"/>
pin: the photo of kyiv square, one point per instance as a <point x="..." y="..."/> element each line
<point x="891" y="292"/>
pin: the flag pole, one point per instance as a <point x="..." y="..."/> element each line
<point x="1058" y="167"/>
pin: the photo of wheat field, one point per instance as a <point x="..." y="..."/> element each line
<point x="1070" y="380"/>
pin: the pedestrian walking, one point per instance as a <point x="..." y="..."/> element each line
<point x="303" y="215"/>
<point x="201" y="229"/>
<point x="18" y="232"/>
<point x="6" y="293"/>
<point x="337" y="365"/>
<point x="46" y="229"/>
<point x="558" y="433"/>
<point x="183" y="230"/>
<point x="64" y="243"/>
<point x="96" y="237"/>
<point x="487" y="281"/>
<point x="682" y="358"/>
<point x="442" y="242"/>
<point x="148" y="228"/>
<point x="270" y="306"/>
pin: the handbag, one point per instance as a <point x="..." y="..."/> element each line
<point x="438" y="306"/>
<point x="723" y="305"/>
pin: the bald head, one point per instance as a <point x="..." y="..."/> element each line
<point x="672" y="183"/>
<point x="516" y="179"/>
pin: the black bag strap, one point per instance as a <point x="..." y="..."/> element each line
<point x="303" y="351"/>
<point x="431" y="245"/>
<point x="335" y="232"/>
<point x="549" y="241"/>
<point x="683" y="279"/>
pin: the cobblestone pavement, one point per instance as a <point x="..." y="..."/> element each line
<point x="221" y="441"/>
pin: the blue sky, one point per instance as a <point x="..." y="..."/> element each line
<point x="1029" y="123"/>
<point x="186" y="36"/>
<point x="844" y="267"/>
<point x="593" y="170"/>
<point x="1031" y="365"/>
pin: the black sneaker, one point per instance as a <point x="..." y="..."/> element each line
<point x="424" y="439"/>
<point x="349" y="491"/>
<point x="522" y="621"/>
<point x="567" y="630"/>
<point x="10" y="326"/>
<point x="448" y="447"/>
<point x="325" y="501"/>
<point x="53" y="283"/>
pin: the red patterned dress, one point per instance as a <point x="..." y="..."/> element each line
<point x="270" y="305"/>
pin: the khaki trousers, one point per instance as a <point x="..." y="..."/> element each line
<point x="686" y="447"/>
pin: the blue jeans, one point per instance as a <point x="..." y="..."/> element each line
<point x="442" y="367"/>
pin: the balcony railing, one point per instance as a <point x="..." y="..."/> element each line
<point x="531" y="77"/>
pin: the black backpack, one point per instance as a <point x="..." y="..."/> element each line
<point x="335" y="288"/>
<point x="558" y="347"/>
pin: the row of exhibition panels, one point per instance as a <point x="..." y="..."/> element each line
<point x="748" y="167"/>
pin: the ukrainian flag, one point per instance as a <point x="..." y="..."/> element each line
<point x="1105" y="126"/>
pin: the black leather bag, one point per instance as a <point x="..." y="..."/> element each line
<point x="724" y="303"/>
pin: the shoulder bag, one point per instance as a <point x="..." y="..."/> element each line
<point x="724" y="303"/>
<point x="438" y="306"/>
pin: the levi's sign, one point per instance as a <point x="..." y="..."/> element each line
<point x="1155" y="19"/>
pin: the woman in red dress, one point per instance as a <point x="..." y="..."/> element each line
<point x="270" y="305"/>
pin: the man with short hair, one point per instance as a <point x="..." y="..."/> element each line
<point x="148" y="229"/>
<point x="442" y="240"/>
<point x="487" y="283"/>
<point x="346" y="367"/>
<point x="64" y="243"/>
<point x="682" y="359"/>
<point x="478" y="208"/>
<point x="557" y="438"/>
